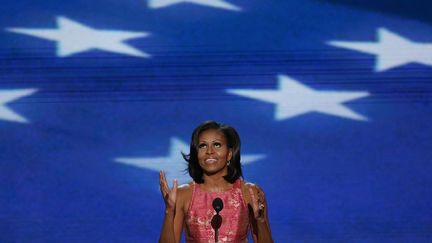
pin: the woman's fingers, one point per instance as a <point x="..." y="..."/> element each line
<point x="252" y="194"/>
<point x="261" y="199"/>
<point x="169" y="195"/>
<point x="254" y="199"/>
<point x="173" y="191"/>
<point x="175" y="185"/>
<point x="163" y="184"/>
<point x="161" y="180"/>
<point x="257" y="199"/>
<point x="164" y="181"/>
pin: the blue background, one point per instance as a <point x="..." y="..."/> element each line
<point x="326" y="178"/>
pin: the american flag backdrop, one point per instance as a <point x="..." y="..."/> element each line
<point x="332" y="100"/>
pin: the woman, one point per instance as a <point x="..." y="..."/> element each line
<point x="214" y="165"/>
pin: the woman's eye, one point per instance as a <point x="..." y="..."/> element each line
<point x="201" y="145"/>
<point x="218" y="145"/>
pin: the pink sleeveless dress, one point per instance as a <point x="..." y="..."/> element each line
<point x="235" y="217"/>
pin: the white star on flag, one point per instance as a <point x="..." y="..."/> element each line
<point x="174" y="165"/>
<point x="294" y="99"/>
<point x="7" y="96"/>
<point x="73" y="37"/>
<point x="209" y="3"/>
<point x="391" y="50"/>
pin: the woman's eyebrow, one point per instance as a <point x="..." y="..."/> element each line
<point x="216" y="140"/>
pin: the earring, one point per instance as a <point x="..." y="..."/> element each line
<point x="228" y="162"/>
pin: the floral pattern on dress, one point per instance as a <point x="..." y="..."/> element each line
<point x="235" y="217"/>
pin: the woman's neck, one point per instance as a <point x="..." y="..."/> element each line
<point x="216" y="183"/>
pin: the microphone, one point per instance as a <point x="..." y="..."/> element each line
<point x="217" y="205"/>
<point x="216" y="221"/>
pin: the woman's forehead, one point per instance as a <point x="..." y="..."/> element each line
<point x="211" y="134"/>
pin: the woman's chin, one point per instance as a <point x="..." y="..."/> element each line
<point x="214" y="169"/>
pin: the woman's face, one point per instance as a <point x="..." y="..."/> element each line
<point x="213" y="152"/>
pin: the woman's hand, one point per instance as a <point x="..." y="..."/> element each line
<point x="169" y="195"/>
<point x="258" y="204"/>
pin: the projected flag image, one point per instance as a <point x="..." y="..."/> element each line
<point x="331" y="100"/>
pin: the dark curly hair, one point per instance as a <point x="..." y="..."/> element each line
<point x="233" y="142"/>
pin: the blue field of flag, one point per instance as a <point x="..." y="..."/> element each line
<point x="332" y="101"/>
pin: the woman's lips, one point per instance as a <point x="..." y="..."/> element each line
<point x="211" y="161"/>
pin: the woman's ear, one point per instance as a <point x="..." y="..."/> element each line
<point x="230" y="154"/>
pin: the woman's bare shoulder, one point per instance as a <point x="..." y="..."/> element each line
<point x="246" y="185"/>
<point x="184" y="195"/>
<point x="185" y="189"/>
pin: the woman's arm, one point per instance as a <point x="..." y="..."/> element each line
<point x="261" y="232"/>
<point x="174" y="214"/>
<point x="167" y="233"/>
<point x="172" y="226"/>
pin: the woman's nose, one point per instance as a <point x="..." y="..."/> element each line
<point x="209" y="150"/>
